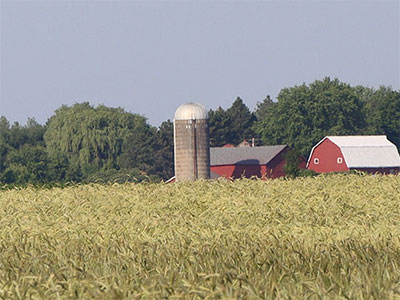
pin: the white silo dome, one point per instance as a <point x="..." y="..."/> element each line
<point x="191" y="111"/>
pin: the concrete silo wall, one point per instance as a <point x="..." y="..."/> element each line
<point x="192" y="150"/>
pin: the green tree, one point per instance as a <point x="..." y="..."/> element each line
<point x="137" y="150"/>
<point x="23" y="157"/>
<point x="93" y="138"/>
<point x="219" y="124"/>
<point x="303" y="115"/>
<point x="241" y="121"/>
<point x="293" y="159"/>
<point x="28" y="164"/>
<point x="231" y="126"/>
<point x="164" y="151"/>
<point x="382" y="109"/>
<point x="4" y="143"/>
<point x="61" y="170"/>
<point x="4" y="129"/>
<point x="263" y="108"/>
<point x="155" y="157"/>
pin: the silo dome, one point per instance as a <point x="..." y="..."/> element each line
<point x="191" y="111"/>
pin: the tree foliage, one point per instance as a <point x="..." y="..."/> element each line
<point x="264" y="107"/>
<point x="93" y="137"/>
<point x="242" y="120"/>
<point x="151" y="151"/>
<point x="382" y="110"/>
<point x="23" y="156"/>
<point x="28" y="164"/>
<point x="164" y="151"/>
<point x="220" y="127"/>
<point x="231" y="126"/>
<point x="303" y="115"/>
<point x="293" y="159"/>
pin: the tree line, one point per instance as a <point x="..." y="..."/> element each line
<point x="82" y="143"/>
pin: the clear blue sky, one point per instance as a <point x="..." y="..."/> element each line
<point x="150" y="57"/>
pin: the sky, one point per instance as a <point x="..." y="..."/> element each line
<point x="150" y="57"/>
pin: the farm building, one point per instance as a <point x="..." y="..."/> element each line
<point x="191" y="142"/>
<point x="246" y="161"/>
<point x="372" y="154"/>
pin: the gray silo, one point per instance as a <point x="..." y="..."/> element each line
<point x="191" y="142"/>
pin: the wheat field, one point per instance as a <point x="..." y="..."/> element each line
<point x="328" y="237"/>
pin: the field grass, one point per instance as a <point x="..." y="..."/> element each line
<point x="328" y="237"/>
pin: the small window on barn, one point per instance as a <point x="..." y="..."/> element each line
<point x="316" y="161"/>
<point x="339" y="160"/>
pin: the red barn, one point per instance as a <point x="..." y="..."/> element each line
<point x="237" y="162"/>
<point x="372" y="154"/>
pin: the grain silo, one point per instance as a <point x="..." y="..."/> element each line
<point x="191" y="143"/>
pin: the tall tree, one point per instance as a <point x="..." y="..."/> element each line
<point x="93" y="137"/>
<point x="219" y="124"/>
<point x="28" y="164"/>
<point x="137" y="150"/>
<point x="382" y="109"/>
<point x="231" y="126"/>
<point x="241" y="121"/>
<point x="263" y="108"/>
<point x="305" y="114"/>
<point x="32" y="133"/>
<point x="155" y="157"/>
<point x="4" y="142"/>
<point x="23" y="157"/>
<point x="164" y="150"/>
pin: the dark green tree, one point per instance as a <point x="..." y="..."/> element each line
<point x="155" y="157"/>
<point x="4" y="129"/>
<point x="219" y="124"/>
<point x="4" y="143"/>
<point x="382" y="110"/>
<point x="28" y="164"/>
<point x="241" y="122"/>
<point x="303" y="115"/>
<point x="293" y="160"/>
<point x="231" y="126"/>
<point x="137" y="150"/>
<point x="93" y="138"/>
<point x="61" y="170"/>
<point x="164" y="151"/>
<point x="23" y="157"/>
<point x="263" y="108"/>
<point x="16" y="135"/>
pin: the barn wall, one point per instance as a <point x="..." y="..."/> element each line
<point x="274" y="169"/>
<point x="238" y="171"/>
<point x="225" y="170"/>
<point x="327" y="152"/>
<point x="247" y="171"/>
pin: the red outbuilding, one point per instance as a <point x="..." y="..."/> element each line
<point x="236" y="162"/>
<point x="372" y="154"/>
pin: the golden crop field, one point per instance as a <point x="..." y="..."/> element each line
<point x="328" y="237"/>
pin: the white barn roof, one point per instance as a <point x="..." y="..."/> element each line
<point x="368" y="151"/>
